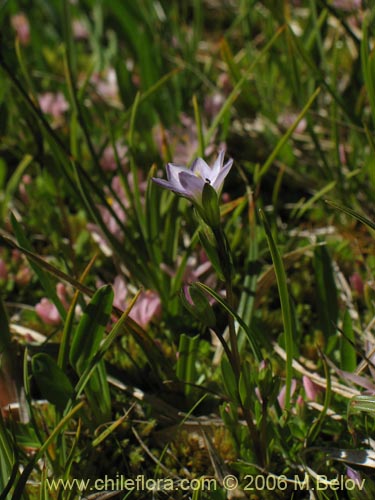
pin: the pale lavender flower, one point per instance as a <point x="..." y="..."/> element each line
<point x="189" y="182"/>
<point x="354" y="475"/>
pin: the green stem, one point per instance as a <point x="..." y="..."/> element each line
<point x="234" y="358"/>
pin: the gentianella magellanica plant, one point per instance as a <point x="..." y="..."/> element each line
<point x="202" y="185"/>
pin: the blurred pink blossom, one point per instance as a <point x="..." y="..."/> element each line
<point x="106" y="86"/>
<point x="347" y="5"/>
<point x="47" y="311"/>
<point x="146" y="308"/>
<point x="311" y="389"/>
<point x="282" y="393"/>
<point x="53" y="104"/>
<point x="119" y="207"/>
<point x="108" y="159"/>
<point x="21" y="26"/>
<point x="287" y="119"/>
<point x="80" y="31"/>
<point x="3" y="270"/>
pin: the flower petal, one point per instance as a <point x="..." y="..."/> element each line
<point x="171" y="186"/>
<point x="218" y="181"/>
<point x="200" y="168"/>
<point x="173" y="172"/>
<point x="217" y="166"/>
<point x="193" y="185"/>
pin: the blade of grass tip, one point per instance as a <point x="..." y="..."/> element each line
<point x="311" y="201"/>
<point x="43" y="277"/>
<point x="286" y="136"/>
<point x="21" y="484"/>
<point x="247" y="329"/>
<point x="198" y="122"/>
<point x="285" y="307"/>
<point x="238" y="88"/>
<point x="352" y="213"/>
<point x="148" y="93"/>
<point x="63" y="354"/>
<point x="13" y="182"/>
<point x="108" y="431"/>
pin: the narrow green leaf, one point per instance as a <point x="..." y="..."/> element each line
<point x="348" y="354"/>
<point x="250" y="334"/>
<point x="286" y="136"/>
<point x="285" y="307"/>
<point x="110" y="429"/>
<point x="187" y="355"/>
<point x="6" y="454"/>
<point x="90" y="330"/>
<point x="352" y="213"/>
<point x="229" y="379"/>
<point x="14" y="182"/>
<point x="52" y="382"/>
<point x="326" y="295"/>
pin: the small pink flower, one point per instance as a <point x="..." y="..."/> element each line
<point x="53" y="104"/>
<point x="311" y="389"/>
<point x="48" y="312"/>
<point x="3" y="270"/>
<point x="21" y="26"/>
<point x="146" y="308"/>
<point x="282" y="393"/>
<point x="80" y="31"/>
